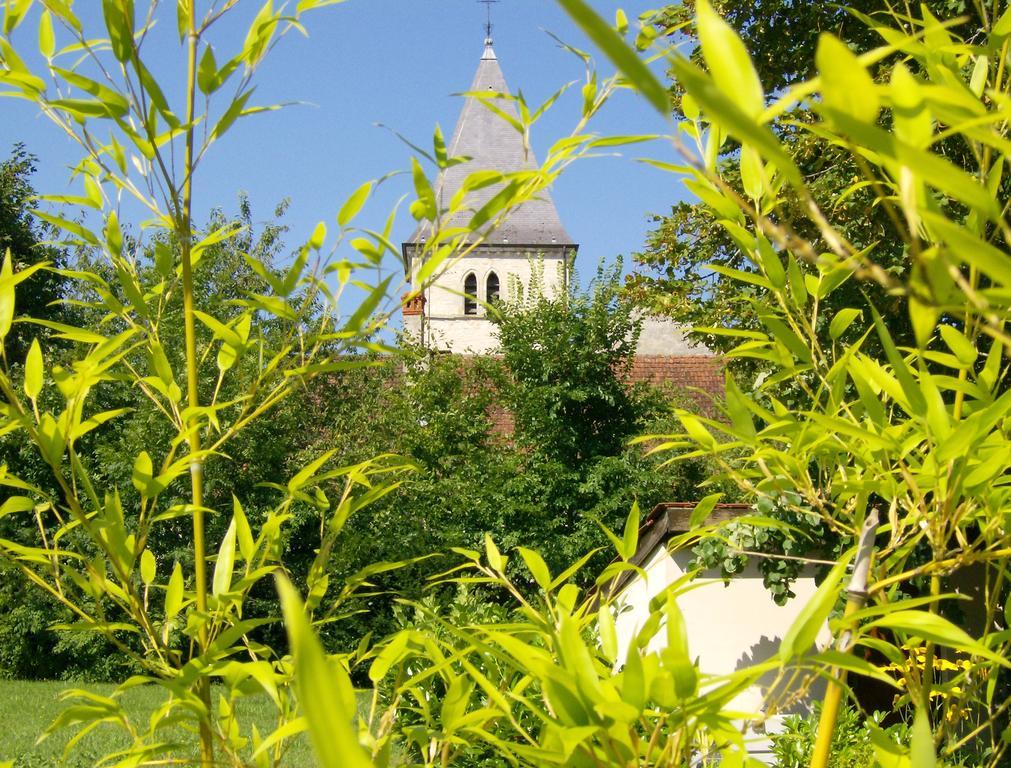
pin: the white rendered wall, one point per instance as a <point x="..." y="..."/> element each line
<point x="729" y="627"/>
<point x="446" y="327"/>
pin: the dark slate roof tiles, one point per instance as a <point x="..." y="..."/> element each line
<point x="493" y="144"/>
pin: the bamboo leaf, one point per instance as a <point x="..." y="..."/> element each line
<point x="244" y="534"/>
<point x="225" y="564"/>
<point x="174" y="593"/>
<point x="728" y="61"/>
<point x="703" y="509"/>
<point x="812" y="617"/>
<point x="720" y="107"/>
<point x="321" y="689"/>
<point x="47" y="37"/>
<point x="921" y="742"/>
<point x="846" y="86"/>
<point x="34" y="371"/>
<point x="119" y="22"/>
<point x="620" y="54"/>
<point x="936" y="629"/>
<point x="843" y="319"/>
<point x="962" y="348"/>
<point x="630" y="539"/>
<point x="537" y="567"/>
<point x="207" y="72"/>
<point x="148" y="567"/>
<point x="354" y="204"/>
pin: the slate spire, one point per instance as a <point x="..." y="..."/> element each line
<point x="493" y="143"/>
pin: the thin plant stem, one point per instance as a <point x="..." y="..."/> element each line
<point x="184" y="223"/>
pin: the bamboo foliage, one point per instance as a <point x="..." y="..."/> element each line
<point x="143" y="143"/>
<point x="919" y="433"/>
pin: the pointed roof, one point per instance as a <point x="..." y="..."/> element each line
<point x="493" y="144"/>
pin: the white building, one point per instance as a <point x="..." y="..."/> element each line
<point x="729" y="625"/>
<point x="530" y="246"/>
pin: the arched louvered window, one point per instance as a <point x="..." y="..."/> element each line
<point x="470" y="294"/>
<point x="492" y="288"/>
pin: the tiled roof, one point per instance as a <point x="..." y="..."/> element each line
<point x="493" y="144"/>
<point x="699" y="376"/>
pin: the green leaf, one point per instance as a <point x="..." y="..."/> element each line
<point x="753" y="177"/>
<point x="321" y="689"/>
<point x="113" y="103"/>
<point x="843" y="319"/>
<point x="47" y="38"/>
<point x="428" y="208"/>
<point x="846" y="86"/>
<point x="537" y="567"/>
<point x="921" y="742"/>
<point x="15" y="504"/>
<point x="630" y="539"/>
<point x="354" y="204"/>
<point x="703" y="509"/>
<point x="495" y="559"/>
<point x="174" y="593"/>
<point x="723" y="109"/>
<point x="728" y="61"/>
<point x="225" y="564"/>
<point x="936" y="629"/>
<point x="148" y="567"/>
<point x="207" y="72"/>
<point x="812" y="617"/>
<point x="259" y="34"/>
<point x="439" y="148"/>
<point x="14" y="13"/>
<point x="621" y="55"/>
<point x="119" y="22"/>
<point x="927" y="166"/>
<point x="184" y="16"/>
<point x="34" y="371"/>
<point x="244" y="534"/>
<point x="143" y="472"/>
<point x="909" y="386"/>
<point x="960" y="346"/>
<point x="6" y="296"/>
<point x="231" y="115"/>
<point x="318" y="236"/>
<point x="608" y="632"/>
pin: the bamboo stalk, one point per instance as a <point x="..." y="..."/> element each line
<point x="857" y="596"/>
<point x="185" y="222"/>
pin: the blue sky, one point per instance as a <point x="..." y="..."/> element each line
<point x="396" y="62"/>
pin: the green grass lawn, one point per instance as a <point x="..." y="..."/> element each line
<point x="26" y="708"/>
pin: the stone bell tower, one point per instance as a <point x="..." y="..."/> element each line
<point x="531" y="245"/>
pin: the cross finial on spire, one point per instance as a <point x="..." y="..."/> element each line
<point x="487" y="26"/>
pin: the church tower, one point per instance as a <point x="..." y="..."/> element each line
<point x="531" y="245"/>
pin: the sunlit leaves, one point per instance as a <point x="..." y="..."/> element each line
<point x="728" y="61"/>
<point x="624" y="58"/>
<point x="207" y="72"/>
<point x="259" y="35"/>
<point x="811" y="619"/>
<point x="325" y="691"/>
<point x="846" y="86"/>
<point x="47" y="37"/>
<point x="6" y="295"/>
<point x="354" y="204"/>
<point x="119" y="21"/>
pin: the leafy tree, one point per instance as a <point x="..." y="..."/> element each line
<point x="26" y="236"/>
<point x="696" y="269"/>
<point x="680" y="265"/>
<point x="565" y="377"/>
